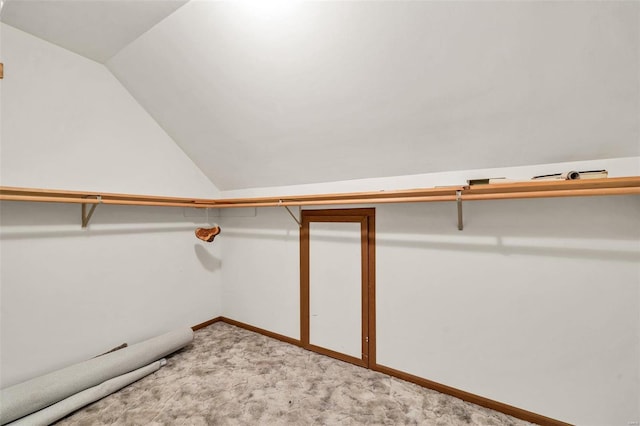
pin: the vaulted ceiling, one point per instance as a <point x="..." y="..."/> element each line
<point x="285" y="92"/>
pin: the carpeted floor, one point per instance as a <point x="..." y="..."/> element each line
<point x="230" y="376"/>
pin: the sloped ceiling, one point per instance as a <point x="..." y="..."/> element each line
<point x="97" y="29"/>
<point x="281" y="92"/>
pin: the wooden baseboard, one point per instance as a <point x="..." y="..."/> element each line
<point x="206" y="323"/>
<point x="337" y="355"/>
<point x="425" y="383"/>
<point x="472" y="398"/>
<point x="262" y="331"/>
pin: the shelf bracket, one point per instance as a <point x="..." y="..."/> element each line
<point x="292" y="215"/>
<point x="459" y="203"/>
<point x="87" y="217"/>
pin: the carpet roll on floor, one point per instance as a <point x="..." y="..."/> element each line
<point x="55" y="412"/>
<point x="30" y="396"/>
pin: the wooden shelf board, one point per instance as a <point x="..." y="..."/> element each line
<point x="529" y="189"/>
<point x="554" y="185"/>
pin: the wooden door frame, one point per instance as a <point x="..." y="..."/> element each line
<point x="366" y="217"/>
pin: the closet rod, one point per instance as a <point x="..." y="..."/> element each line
<point x="222" y="205"/>
<point x="9" y="190"/>
<point x="550" y="194"/>
<point x="56" y="196"/>
<point x="334" y="202"/>
<point x="45" y="199"/>
<point x="528" y="189"/>
<point x="418" y="192"/>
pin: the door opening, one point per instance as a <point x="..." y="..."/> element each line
<point x="337" y="284"/>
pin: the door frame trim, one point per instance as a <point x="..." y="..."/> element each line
<point x="366" y="216"/>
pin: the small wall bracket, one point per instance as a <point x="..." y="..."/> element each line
<point x="86" y="217"/>
<point x="292" y="215"/>
<point x="459" y="203"/>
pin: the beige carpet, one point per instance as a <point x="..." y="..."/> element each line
<point x="231" y="376"/>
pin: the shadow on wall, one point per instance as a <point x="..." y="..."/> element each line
<point x="598" y="228"/>
<point x="493" y="244"/>
<point x="498" y="247"/>
<point x="207" y="260"/>
<point x="38" y="233"/>
<point x="20" y="220"/>
<point x="606" y="217"/>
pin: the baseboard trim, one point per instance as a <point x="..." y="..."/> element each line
<point x="262" y="331"/>
<point x="472" y="398"/>
<point x="206" y="323"/>
<point x="425" y="383"/>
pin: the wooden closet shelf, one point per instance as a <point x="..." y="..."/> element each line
<point x="528" y="189"/>
<point x="79" y="197"/>
<point x="554" y="185"/>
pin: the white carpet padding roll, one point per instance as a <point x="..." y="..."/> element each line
<point x="26" y="397"/>
<point x="55" y="412"/>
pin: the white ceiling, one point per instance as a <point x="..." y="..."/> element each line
<point x="281" y="92"/>
<point x="97" y="29"/>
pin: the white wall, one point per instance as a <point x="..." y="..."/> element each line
<point x="617" y="167"/>
<point x="261" y="269"/>
<point x="68" y="123"/>
<point x="535" y="304"/>
<point x="68" y="294"/>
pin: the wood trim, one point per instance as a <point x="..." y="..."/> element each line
<point x="66" y="196"/>
<point x="371" y="228"/>
<point x="1" y="70"/>
<point x="304" y="281"/>
<point x="364" y="289"/>
<point x="345" y="196"/>
<point x="262" y="331"/>
<point x="429" y="384"/>
<point x="333" y="202"/>
<point x="332" y="219"/>
<point x="206" y="323"/>
<point x="553" y="185"/>
<point x="248" y="327"/>
<point x="366" y="218"/>
<point x="337" y="355"/>
<point x="67" y="200"/>
<point x="472" y="398"/>
<point x="528" y="189"/>
<point x="551" y="194"/>
<point x="339" y="212"/>
<point x="11" y="190"/>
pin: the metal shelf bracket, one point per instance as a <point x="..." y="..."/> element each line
<point x="459" y="203"/>
<point x="292" y="215"/>
<point x="86" y="217"/>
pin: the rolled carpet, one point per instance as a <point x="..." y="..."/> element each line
<point x="26" y="397"/>
<point x="55" y="412"/>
